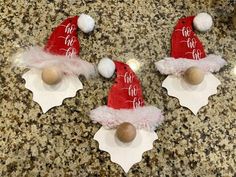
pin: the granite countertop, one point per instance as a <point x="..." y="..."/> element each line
<point x="60" y="142"/>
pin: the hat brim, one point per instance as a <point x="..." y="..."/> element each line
<point x="169" y="65"/>
<point x="146" y="117"/>
<point x="36" y="57"/>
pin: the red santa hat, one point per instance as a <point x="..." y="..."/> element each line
<point x="125" y="100"/>
<point x="62" y="48"/>
<point x="187" y="50"/>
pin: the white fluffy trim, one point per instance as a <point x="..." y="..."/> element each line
<point x="36" y="57"/>
<point x="212" y="63"/>
<point x="147" y="117"/>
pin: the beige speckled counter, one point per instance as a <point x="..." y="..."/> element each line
<point x="60" y="142"/>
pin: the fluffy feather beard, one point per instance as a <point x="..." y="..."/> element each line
<point x="147" y="117"/>
<point x="212" y="63"/>
<point x="36" y="57"/>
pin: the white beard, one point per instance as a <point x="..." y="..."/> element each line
<point x="50" y="96"/>
<point x="191" y="96"/>
<point x="125" y="154"/>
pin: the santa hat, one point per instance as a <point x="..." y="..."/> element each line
<point x="125" y="100"/>
<point x="62" y="48"/>
<point x="187" y="50"/>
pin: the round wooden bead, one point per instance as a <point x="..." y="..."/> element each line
<point x="194" y="75"/>
<point x="126" y="132"/>
<point x="51" y="75"/>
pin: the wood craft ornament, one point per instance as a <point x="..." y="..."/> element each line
<point x="127" y="123"/>
<point x="194" y="75"/>
<point x="126" y="132"/>
<point x="55" y="67"/>
<point x="188" y="67"/>
<point x="51" y="75"/>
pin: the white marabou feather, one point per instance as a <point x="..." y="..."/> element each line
<point x="169" y="65"/>
<point x="147" y="117"/>
<point x="36" y="57"/>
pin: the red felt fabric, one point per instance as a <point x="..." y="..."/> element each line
<point x="185" y="43"/>
<point x="126" y="93"/>
<point x="63" y="40"/>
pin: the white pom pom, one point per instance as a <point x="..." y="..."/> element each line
<point x="86" y="23"/>
<point x="106" y="67"/>
<point x="202" y="22"/>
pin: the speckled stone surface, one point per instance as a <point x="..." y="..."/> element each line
<point x="60" y="142"/>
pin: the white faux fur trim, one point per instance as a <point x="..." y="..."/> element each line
<point x="36" y="57"/>
<point x="147" y="117"/>
<point x="212" y="63"/>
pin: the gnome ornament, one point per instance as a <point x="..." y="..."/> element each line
<point x="127" y="124"/>
<point x="189" y="68"/>
<point x="54" y="69"/>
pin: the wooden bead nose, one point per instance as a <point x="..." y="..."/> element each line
<point x="51" y="75"/>
<point x="194" y="75"/>
<point x="126" y="132"/>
